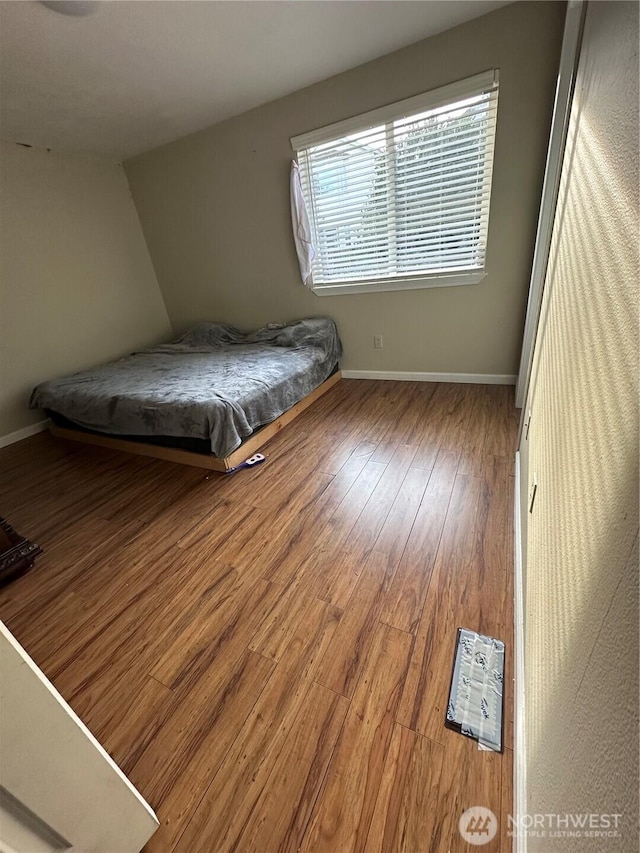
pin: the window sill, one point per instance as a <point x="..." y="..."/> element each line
<point x="384" y="285"/>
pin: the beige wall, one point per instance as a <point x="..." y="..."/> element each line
<point x="215" y="207"/>
<point x="581" y="642"/>
<point x="77" y="283"/>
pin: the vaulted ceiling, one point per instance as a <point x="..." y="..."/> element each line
<point x="133" y="75"/>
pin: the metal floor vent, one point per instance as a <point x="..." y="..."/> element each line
<point x="476" y="698"/>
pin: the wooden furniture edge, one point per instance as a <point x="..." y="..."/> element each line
<point x="17" y="554"/>
<point x="200" y="460"/>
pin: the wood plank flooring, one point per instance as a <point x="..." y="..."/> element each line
<point x="267" y="654"/>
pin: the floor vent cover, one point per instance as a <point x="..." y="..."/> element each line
<point x="475" y="707"/>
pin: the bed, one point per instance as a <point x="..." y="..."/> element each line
<point x="210" y="398"/>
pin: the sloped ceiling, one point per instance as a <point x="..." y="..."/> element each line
<point x="133" y="75"/>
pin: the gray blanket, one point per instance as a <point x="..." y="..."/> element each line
<point x="216" y="382"/>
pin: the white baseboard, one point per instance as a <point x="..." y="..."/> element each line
<point x="519" y="751"/>
<point x="20" y="434"/>
<point x="400" y="376"/>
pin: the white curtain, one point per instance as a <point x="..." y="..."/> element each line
<point x="301" y="227"/>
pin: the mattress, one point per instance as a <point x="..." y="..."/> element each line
<point x="216" y="384"/>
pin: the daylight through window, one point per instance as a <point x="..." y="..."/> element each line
<point x="400" y="197"/>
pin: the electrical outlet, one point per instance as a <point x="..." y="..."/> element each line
<point x="377" y="341"/>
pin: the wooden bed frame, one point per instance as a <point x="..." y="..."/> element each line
<point x="201" y="460"/>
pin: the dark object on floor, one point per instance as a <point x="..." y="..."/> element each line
<point x="476" y="697"/>
<point x="16" y="553"/>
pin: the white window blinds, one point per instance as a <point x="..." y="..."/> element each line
<point x="403" y="192"/>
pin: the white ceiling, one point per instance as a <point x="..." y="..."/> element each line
<point x="138" y="73"/>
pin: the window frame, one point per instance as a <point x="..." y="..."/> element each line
<point x="469" y="87"/>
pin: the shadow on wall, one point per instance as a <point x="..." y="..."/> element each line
<point x="582" y="718"/>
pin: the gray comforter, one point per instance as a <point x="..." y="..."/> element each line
<point x="216" y="382"/>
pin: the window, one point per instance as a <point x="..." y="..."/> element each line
<point x="399" y="197"/>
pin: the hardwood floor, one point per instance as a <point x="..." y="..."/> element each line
<point x="267" y="654"/>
